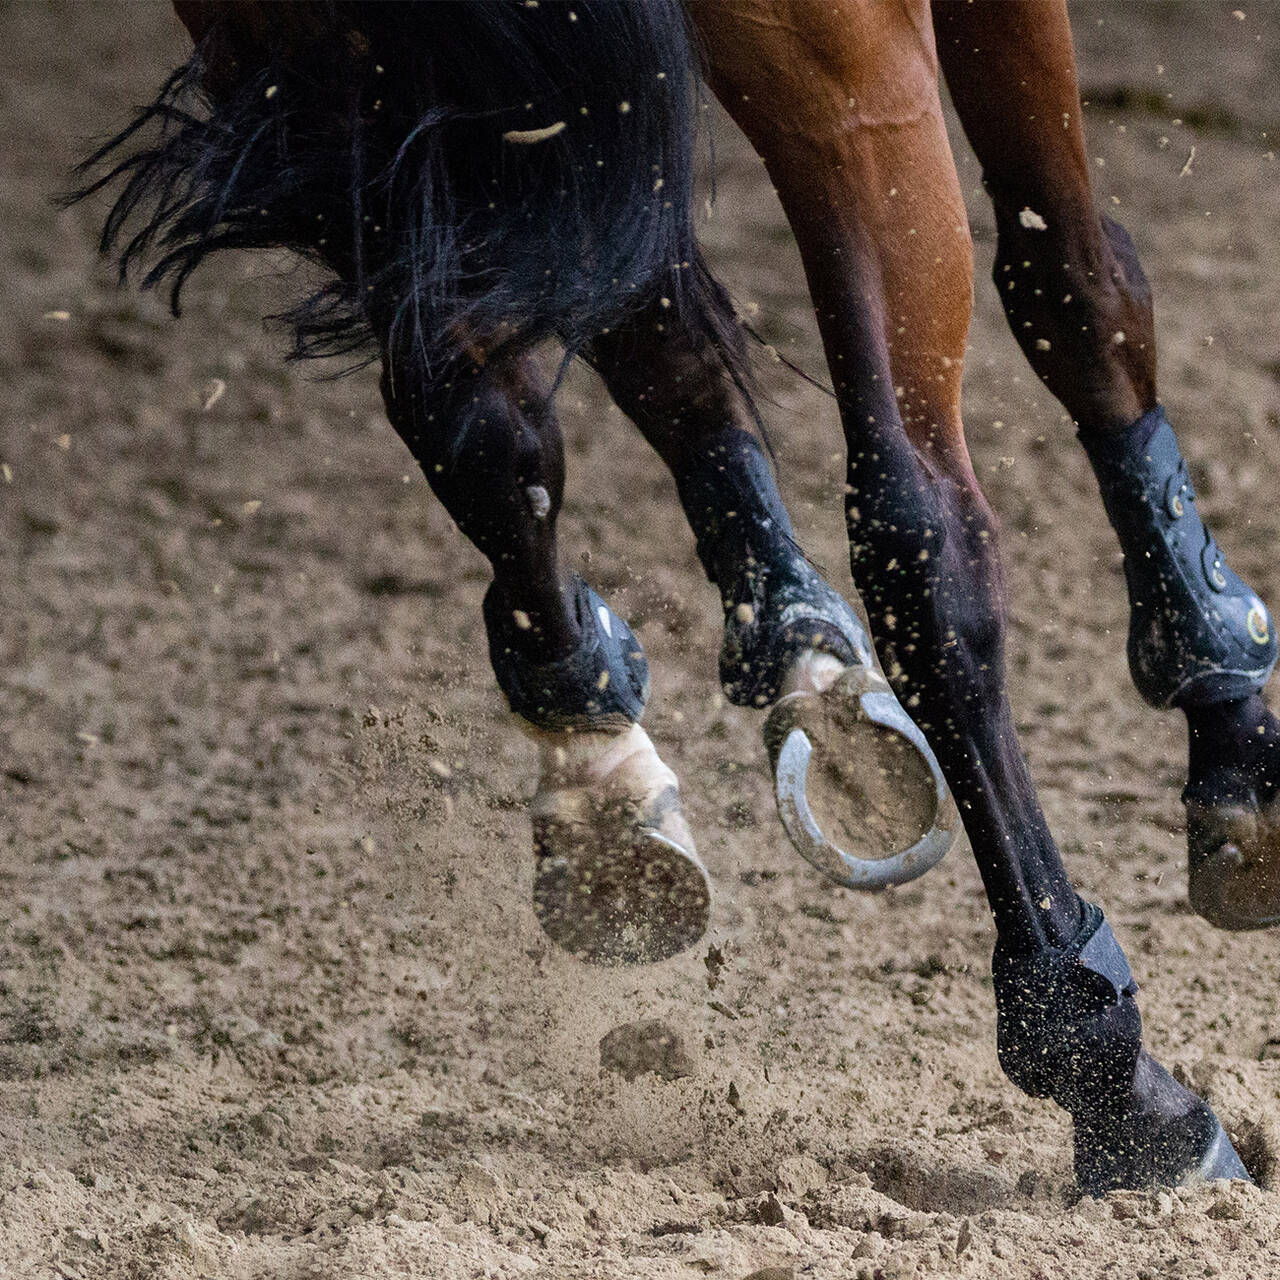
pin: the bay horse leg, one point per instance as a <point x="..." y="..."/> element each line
<point x="841" y="100"/>
<point x="790" y="641"/>
<point x="1080" y="307"/>
<point x="617" y="878"/>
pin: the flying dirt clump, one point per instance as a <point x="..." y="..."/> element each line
<point x="635" y="1048"/>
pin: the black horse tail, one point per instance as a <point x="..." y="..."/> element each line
<point x="475" y="177"/>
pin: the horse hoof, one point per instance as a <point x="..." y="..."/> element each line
<point x="617" y="880"/>
<point x="1233" y="868"/>
<point x="1221" y="1160"/>
<point x="1164" y="1137"/>
<point x="876" y="785"/>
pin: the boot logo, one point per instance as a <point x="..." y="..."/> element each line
<point x="1258" y="624"/>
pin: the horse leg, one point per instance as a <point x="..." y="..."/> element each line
<point x="393" y="144"/>
<point x="684" y="402"/>
<point x="842" y="102"/>
<point x="1080" y="307"/>
<point x="790" y="640"/>
<point x="617" y="878"/>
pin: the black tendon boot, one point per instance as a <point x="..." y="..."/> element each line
<point x="776" y="606"/>
<point x="604" y="683"/>
<point x="1198" y="634"/>
<point x="1068" y="1028"/>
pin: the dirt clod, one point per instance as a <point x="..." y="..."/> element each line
<point x="648" y="1045"/>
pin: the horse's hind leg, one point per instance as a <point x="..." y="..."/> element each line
<point x="679" y="393"/>
<point x="394" y="144"/>
<point x="791" y="642"/>
<point x="1078" y="303"/>
<point x="842" y="102"/>
<point x="617" y="879"/>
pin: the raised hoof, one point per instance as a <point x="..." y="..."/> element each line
<point x="617" y="880"/>
<point x="1233" y="869"/>
<point x="859" y="791"/>
<point x="1164" y="1137"/>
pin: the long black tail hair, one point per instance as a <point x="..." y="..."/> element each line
<point x="474" y="176"/>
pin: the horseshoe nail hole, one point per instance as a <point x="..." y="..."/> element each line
<point x="868" y="788"/>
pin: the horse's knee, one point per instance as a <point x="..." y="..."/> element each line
<point x="1085" y="264"/>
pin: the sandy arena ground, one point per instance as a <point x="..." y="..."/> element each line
<point x="272" y="999"/>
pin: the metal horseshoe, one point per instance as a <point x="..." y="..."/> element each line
<point x="790" y="774"/>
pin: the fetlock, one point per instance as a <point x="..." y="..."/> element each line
<point x="778" y="610"/>
<point x="1233" y="754"/>
<point x="1198" y="633"/>
<point x="776" y="605"/>
<point x="603" y="683"/>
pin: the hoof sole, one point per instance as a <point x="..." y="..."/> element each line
<point x="639" y="899"/>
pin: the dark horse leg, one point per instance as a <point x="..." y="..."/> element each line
<point x="686" y="405"/>
<point x="617" y="878"/>
<point x="406" y="149"/>
<point x="791" y="642"/>
<point x="841" y="99"/>
<point x="1080" y="307"/>
<point x="392" y="144"/>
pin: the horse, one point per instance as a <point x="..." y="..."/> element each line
<point x="474" y="179"/>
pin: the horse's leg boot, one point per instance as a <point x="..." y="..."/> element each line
<point x="1197" y="632"/>
<point x="616" y="878"/>
<point x="1068" y="1028"/>
<point x="602" y="684"/>
<point x="1198" y="635"/>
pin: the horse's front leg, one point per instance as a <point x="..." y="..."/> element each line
<point x="617" y="879"/>
<point x="1200" y="638"/>
<point x="842" y="101"/>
